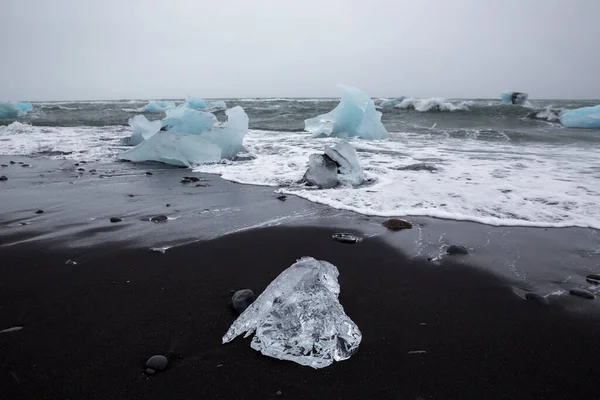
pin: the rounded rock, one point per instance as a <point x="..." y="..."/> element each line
<point x="186" y="181"/>
<point x="159" y="218"/>
<point x="242" y="300"/>
<point x="594" y="279"/>
<point x="456" y="249"/>
<point x="395" y="224"/>
<point x="12" y="162"/>
<point x="115" y="219"/>
<point x="283" y="197"/>
<point x="150" y="371"/>
<point x="582" y="293"/>
<point x="4" y="165"/>
<point x="157" y="363"/>
<point x="39" y="212"/>
<point x="3" y="178"/>
<point x="535" y="297"/>
<point x="148" y="173"/>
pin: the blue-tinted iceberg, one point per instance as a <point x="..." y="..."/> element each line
<point x="159" y="106"/>
<point x="349" y="169"/>
<point x="299" y="317"/>
<point x="198" y="103"/>
<point x="193" y="137"/>
<point x="390" y="103"/>
<point x="516" y="98"/>
<point x="585" y="117"/>
<point x="14" y="110"/>
<point x="355" y="115"/>
<point x="142" y="130"/>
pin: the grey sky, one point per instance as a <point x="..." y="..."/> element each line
<point x="111" y="49"/>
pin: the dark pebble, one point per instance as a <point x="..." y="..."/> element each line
<point x="185" y="181"/>
<point x="192" y="178"/>
<point x="283" y="197"/>
<point x="4" y="165"/>
<point x="20" y="162"/>
<point x="157" y="363"/>
<point x="242" y="300"/>
<point x="82" y="162"/>
<point x="582" y="293"/>
<point x="456" y="249"/>
<point x="201" y="185"/>
<point x="345" y="238"/>
<point x="159" y="218"/>
<point x="535" y="297"/>
<point x="76" y="164"/>
<point x="25" y="165"/>
<point x="115" y="219"/>
<point x="150" y="371"/>
<point x="92" y="171"/>
<point x="39" y="212"/>
<point x="3" y="178"/>
<point x="130" y="195"/>
<point x="395" y="224"/>
<point x="81" y="169"/>
<point x="12" y="162"/>
<point x="594" y="279"/>
<point x="168" y="205"/>
<point x="149" y="173"/>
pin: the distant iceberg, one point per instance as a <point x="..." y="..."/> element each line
<point x="390" y="103"/>
<point x="142" y="129"/>
<point x="355" y="115"/>
<point x="585" y="117"/>
<point x="193" y="137"/>
<point x="159" y="106"/>
<point x="198" y="103"/>
<point x="14" y="110"/>
<point x="516" y="98"/>
<point x="299" y="317"/>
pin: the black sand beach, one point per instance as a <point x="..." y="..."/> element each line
<point x="88" y="328"/>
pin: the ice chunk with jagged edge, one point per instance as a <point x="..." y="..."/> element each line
<point x="349" y="168"/>
<point x="198" y="103"/>
<point x="299" y="317"/>
<point x="355" y="115"/>
<point x="585" y="117"/>
<point x="193" y="137"/>
<point x="142" y="129"/>
<point x="390" y="103"/>
<point x="14" y="110"/>
<point x="321" y="172"/>
<point x="159" y="106"/>
<point x="516" y="98"/>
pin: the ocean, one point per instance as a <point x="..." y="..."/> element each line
<point x="473" y="160"/>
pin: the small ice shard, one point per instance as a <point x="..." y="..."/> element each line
<point x="516" y="98"/>
<point x="13" y="329"/>
<point x="585" y="117"/>
<point x="159" y="106"/>
<point x="321" y="172"/>
<point x="355" y="115"/>
<point x="349" y="169"/>
<point x="12" y="110"/>
<point x="345" y="238"/>
<point x="193" y="137"/>
<point x="299" y="318"/>
<point x="142" y="130"/>
<point x="390" y="103"/>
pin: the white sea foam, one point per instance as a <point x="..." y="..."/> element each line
<point x="495" y="182"/>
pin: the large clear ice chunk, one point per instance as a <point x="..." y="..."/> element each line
<point x="159" y="106"/>
<point x="585" y="117"/>
<point x="142" y="130"/>
<point x="193" y="137"/>
<point x="355" y="115"/>
<point x="299" y="317"/>
<point x="349" y="169"/>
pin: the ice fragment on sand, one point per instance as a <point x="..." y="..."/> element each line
<point x="585" y="117"/>
<point x="349" y="169"/>
<point x="299" y="318"/>
<point x="142" y="130"/>
<point x="13" y="329"/>
<point x="516" y="98"/>
<point x="159" y="106"/>
<point x="355" y="115"/>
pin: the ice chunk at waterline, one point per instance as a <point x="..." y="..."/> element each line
<point x="354" y="116"/>
<point x="142" y="130"/>
<point x="516" y="98"/>
<point x="585" y="117"/>
<point x="299" y="318"/>
<point x="193" y="137"/>
<point x="159" y="106"/>
<point x="349" y="169"/>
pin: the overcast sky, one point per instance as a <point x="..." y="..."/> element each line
<point x="113" y="49"/>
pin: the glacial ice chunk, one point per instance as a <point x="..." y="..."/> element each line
<point x="299" y="317"/>
<point x="585" y="117"/>
<point x="516" y="98"/>
<point x="198" y="103"/>
<point x="14" y="110"/>
<point x="193" y="137"/>
<point x="355" y="115"/>
<point x="321" y="172"/>
<point x="390" y="103"/>
<point x="142" y="129"/>
<point x="159" y="106"/>
<point x="349" y="168"/>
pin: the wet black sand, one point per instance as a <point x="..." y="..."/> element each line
<point x="88" y="328"/>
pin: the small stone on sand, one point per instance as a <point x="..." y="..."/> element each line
<point x="150" y="371"/>
<point x="278" y="393"/>
<point x="159" y="218"/>
<point x="81" y="169"/>
<point x="594" y="279"/>
<point x="39" y="212"/>
<point x="536" y="298"/>
<point x="186" y="181"/>
<point x="456" y="249"/>
<point x="12" y="162"/>
<point x="115" y="219"/>
<point x="283" y="197"/>
<point x="395" y="224"/>
<point x="242" y="300"/>
<point x="157" y="363"/>
<point x="25" y="165"/>
<point x="148" y="173"/>
<point x="582" y="293"/>
<point x="168" y="205"/>
<point x="4" y="165"/>
<point x="3" y="178"/>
